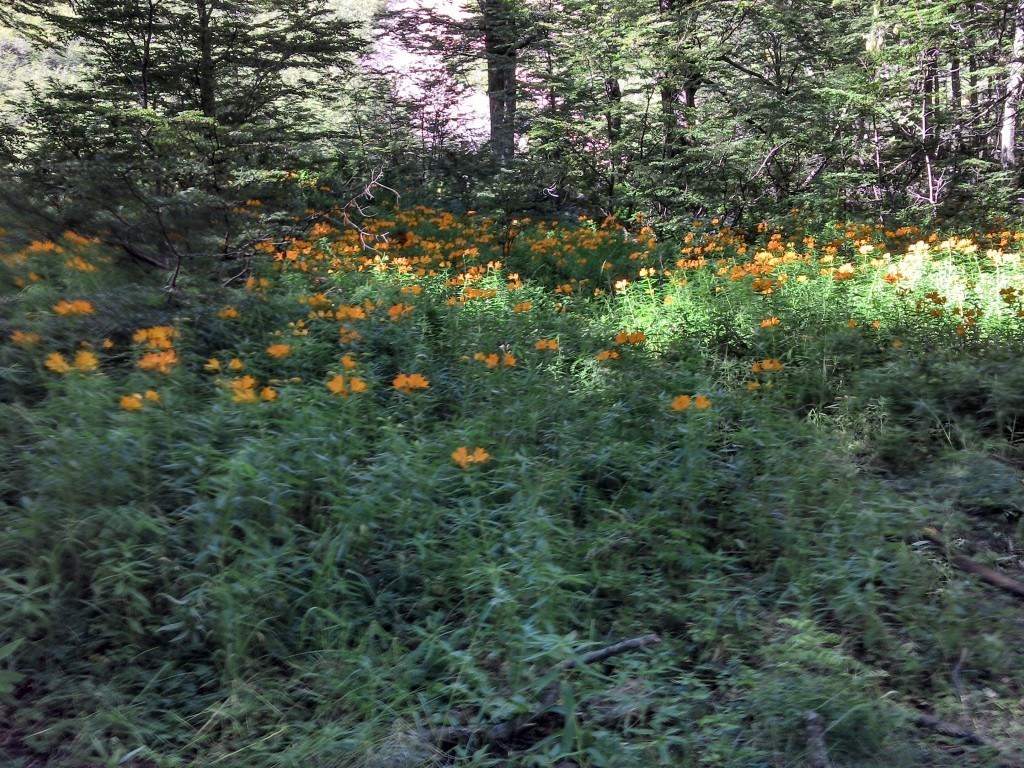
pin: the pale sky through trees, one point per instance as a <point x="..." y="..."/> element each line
<point x="409" y="69"/>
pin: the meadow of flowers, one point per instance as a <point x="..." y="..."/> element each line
<point x="380" y="481"/>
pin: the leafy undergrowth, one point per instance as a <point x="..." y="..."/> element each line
<point x="367" y="495"/>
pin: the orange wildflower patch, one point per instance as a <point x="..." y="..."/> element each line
<point x="410" y="382"/>
<point x="465" y="457"/>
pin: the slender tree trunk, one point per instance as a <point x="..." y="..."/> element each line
<point x="147" y="62"/>
<point x="207" y="75"/>
<point x="678" y="90"/>
<point x="956" y="105"/>
<point x="501" y="50"/>
<point x="1011" y="103"/>
<point x="613" y="120"/>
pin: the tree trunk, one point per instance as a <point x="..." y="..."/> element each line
<point x="206" y="75"/>
<point x="501" y="50"/>
<point x="1011" y="102"/>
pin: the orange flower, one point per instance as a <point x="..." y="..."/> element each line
<point x="70" y="308"/>
<point x="348" y="362"/>
<point x="228" y="313"/>
<point x="236" y="365"/>
<point x="25" y="338"/>
<point x="243" y="390"/>
<point x="768" y="365"/>
<point x="131" y="402"/>
<point x="161" y="362"/>
<point x="770" y="322"/>
<point x="465" y="458"/>
<point x="268" y="394"/>
<point x="410" y="382"/>
<point x="490" y="360"/>
<point x="348" y="335"/>
<point x="86" y="361"/>
<point x="345" y="386"/>
<point x="152" y="395"/>
<point x="681" y="402"/>
<point x="279" y="350"/>
<point x="398" y="311"/>
<point x="608" y="354"/>
<point x="508" y="360"/>
<point x="548" y="344"/>
<point x="55" y="362"/>
<point x="523" y="306"/>
<point x="702" y="403"/>
<point x="630" y="338"/>
<point x="212" y="365"/>
<point x="157" y="337"/>
<point x="353" y="312"/>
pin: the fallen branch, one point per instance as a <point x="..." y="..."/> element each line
<point x="990" y="575"/>
<point x="953" y="729"/>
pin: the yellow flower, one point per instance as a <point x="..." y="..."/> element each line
<point x="753" y="385"/>
<point x="228" y="313"/>
<point x="236" y="365"/>
<point x="464" y="457"/>
<point x="681" y="403"/>
<point x="268" y="394"/>
<point x="279" y="350"/>
<point x="212" y="365"/>
<point x="55" y="362"/>
<point x="152" y="395"/>
<point x="410" y="382"/>
<point x="86" y="361"/>
<point x="131" y="402"/>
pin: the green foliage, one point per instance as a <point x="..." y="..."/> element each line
<point x="292" y="569"/>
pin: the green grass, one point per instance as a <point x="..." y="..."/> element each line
<point x="312" y="580"/>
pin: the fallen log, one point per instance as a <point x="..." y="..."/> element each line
<point x="990" y="575"/>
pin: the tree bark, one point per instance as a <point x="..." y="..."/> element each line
<point x="207" y="76"/>
<point x="1011" y="102"/>
<point x="501" y="51"/>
